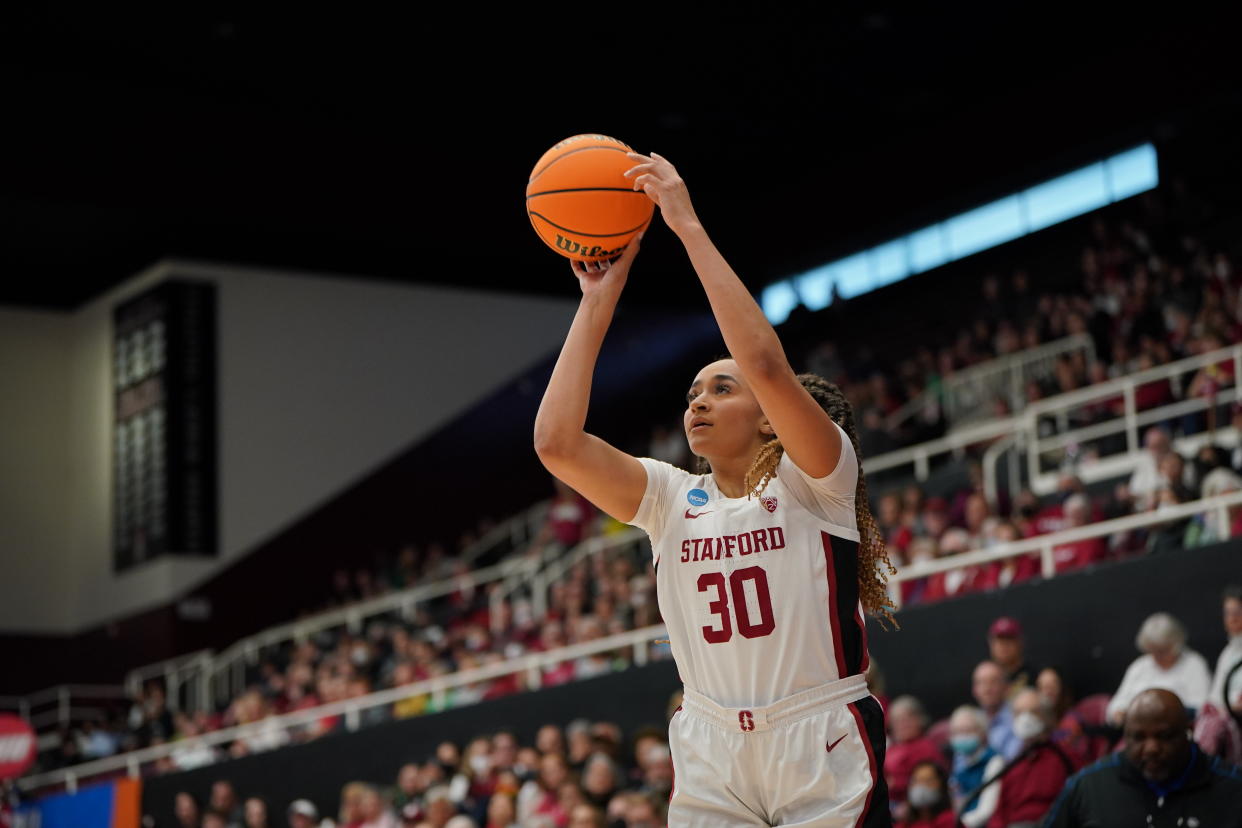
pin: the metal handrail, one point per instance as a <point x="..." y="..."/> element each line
<point x="516" y="530"/>
<point x="531" y="664"/>
<point x="1046" y="545"/>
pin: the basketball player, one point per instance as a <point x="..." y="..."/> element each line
<point x="760" y="564"/>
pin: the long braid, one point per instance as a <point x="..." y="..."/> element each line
<point x="874" y="566"/>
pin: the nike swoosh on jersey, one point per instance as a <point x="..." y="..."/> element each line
<point x="834" y="744"/>
<point x="700" y="514"/>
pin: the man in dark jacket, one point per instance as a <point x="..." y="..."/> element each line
<point x="1161" y="779"/>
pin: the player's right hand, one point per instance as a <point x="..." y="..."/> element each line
<point x="606" y="276"/>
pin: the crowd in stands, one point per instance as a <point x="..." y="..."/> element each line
<point x="1002" y="758"/>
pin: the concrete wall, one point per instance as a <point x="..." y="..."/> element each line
<point x="321" y="380"/>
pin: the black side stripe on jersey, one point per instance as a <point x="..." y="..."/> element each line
<point x="848" y="634"/>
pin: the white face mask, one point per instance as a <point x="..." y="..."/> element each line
<point x="922" y="796"/>
<point x="1027" y="726"/>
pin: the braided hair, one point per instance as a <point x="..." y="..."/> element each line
<point x="874" y="566"/>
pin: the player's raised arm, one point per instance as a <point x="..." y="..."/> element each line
<point x="804" y="428"/>
<point x="608" y="477"/>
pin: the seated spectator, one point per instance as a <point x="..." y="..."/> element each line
<point x="908" y="746"/>
<point x="1162" y="778"/>
<point x="186" y="810"/>
<point x="224" y="801"/>
<point x="587" y="816"/>
<point x="1015" y="570"/>
<point x="1166" y="663"/>
<point x="254" y="810"/>
<point x="1077" y="554"/>
<point x="1216" y="728"/>
<point x="1231" y="655"/>
<point x="1146" y="480"/>
<point x="1007" y="651"/>
<point x="928" y="799"/>
<point x="960" y="581"/>
<point x="974" y="762"/>
<point x="1031" y="783"/>
<point x="501" y="812"/>
<point x="991" y="692"/>
<point x="302" y="813"/>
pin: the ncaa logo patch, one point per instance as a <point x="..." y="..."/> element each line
<point x="697" y="497"/>
<point x="769" y="503"/>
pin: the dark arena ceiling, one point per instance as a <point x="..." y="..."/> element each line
<point x="398" y="147"/>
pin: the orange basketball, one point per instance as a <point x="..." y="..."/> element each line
<point x="579" y="201"/>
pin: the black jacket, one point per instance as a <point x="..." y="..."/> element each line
<point x="1112" y="792"/>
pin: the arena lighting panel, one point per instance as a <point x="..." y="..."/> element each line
<point x="1029" y="211"/>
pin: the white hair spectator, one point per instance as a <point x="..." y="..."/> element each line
<point x="977" y="719"/>
<point x="1161" y="631"/>
<point x="911" y="705"/>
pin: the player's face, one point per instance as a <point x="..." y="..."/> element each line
<point x="722" y="417"/>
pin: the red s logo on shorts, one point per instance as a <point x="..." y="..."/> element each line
<point x="746" y="720"/>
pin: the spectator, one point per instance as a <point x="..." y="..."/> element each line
<point x="928" y="798"/>
<point x="1146" y="480"/>
<point x="991" y="690"/>
<point x="255" y="813"/>
<point x="586" y="816"/>
<point x="1166" y="663"/>
<point x="1080" y="553"/>
<point x="186" y="810"/>
<point x="95" y="742"/>
<point x="224" y="802"/>
<point x="215" y="819"/>
<point x="501" y="811"/>
<point x="1231" y="655"/>
<point x="1162" y="778"/>
<point x="302" y="813"/>
<point x="600" y="779"/>
<point x="375" y="812"/>
<point x="1007" y="651"/>
<point x="1031" y="783"/>
<point x="974" y="763"/>
<point x="907" y="747"/>
<point x="1216" y="726"/>
<point x="440" y="807"/>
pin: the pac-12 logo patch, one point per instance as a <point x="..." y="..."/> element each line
<point x="697" y="497"/>
<point x="769" y="503"/>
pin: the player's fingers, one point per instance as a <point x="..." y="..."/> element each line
<point x="637" y="156"/>
<point x="639" y="167"/>
<point x="644" y="181"/>
<point x="631" y="250"/>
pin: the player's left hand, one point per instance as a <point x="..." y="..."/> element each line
<point x="654" y="175"/>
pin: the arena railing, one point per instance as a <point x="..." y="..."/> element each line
<point x="529" y="667"/>
<point x="1022" y="429"/>
<point x="50" y="709"/>
<point x="189" y="673"/>
<point x="200" y="673"/>
<point x="967" y="392"/>
<point x="1046" y="545"/>
<point x="228" y="668"/>
<point x="1037" y="447"/>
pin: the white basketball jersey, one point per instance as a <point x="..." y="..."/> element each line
<point x="760" y="595"/>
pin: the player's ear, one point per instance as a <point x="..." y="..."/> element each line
<point x="765" y="428"/>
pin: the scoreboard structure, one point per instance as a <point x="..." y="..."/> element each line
<point x="164" y="428"/>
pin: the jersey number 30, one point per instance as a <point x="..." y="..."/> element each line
<point x="737" y="588"/>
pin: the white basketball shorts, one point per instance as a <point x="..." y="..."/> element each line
<point x="813" y="759"/>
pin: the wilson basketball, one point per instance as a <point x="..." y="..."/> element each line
<point x="580" y="202"/>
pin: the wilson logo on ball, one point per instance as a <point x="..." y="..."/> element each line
<point x="572" y="247"/>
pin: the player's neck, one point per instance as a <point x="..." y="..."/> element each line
<point x="730" y="476"/>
